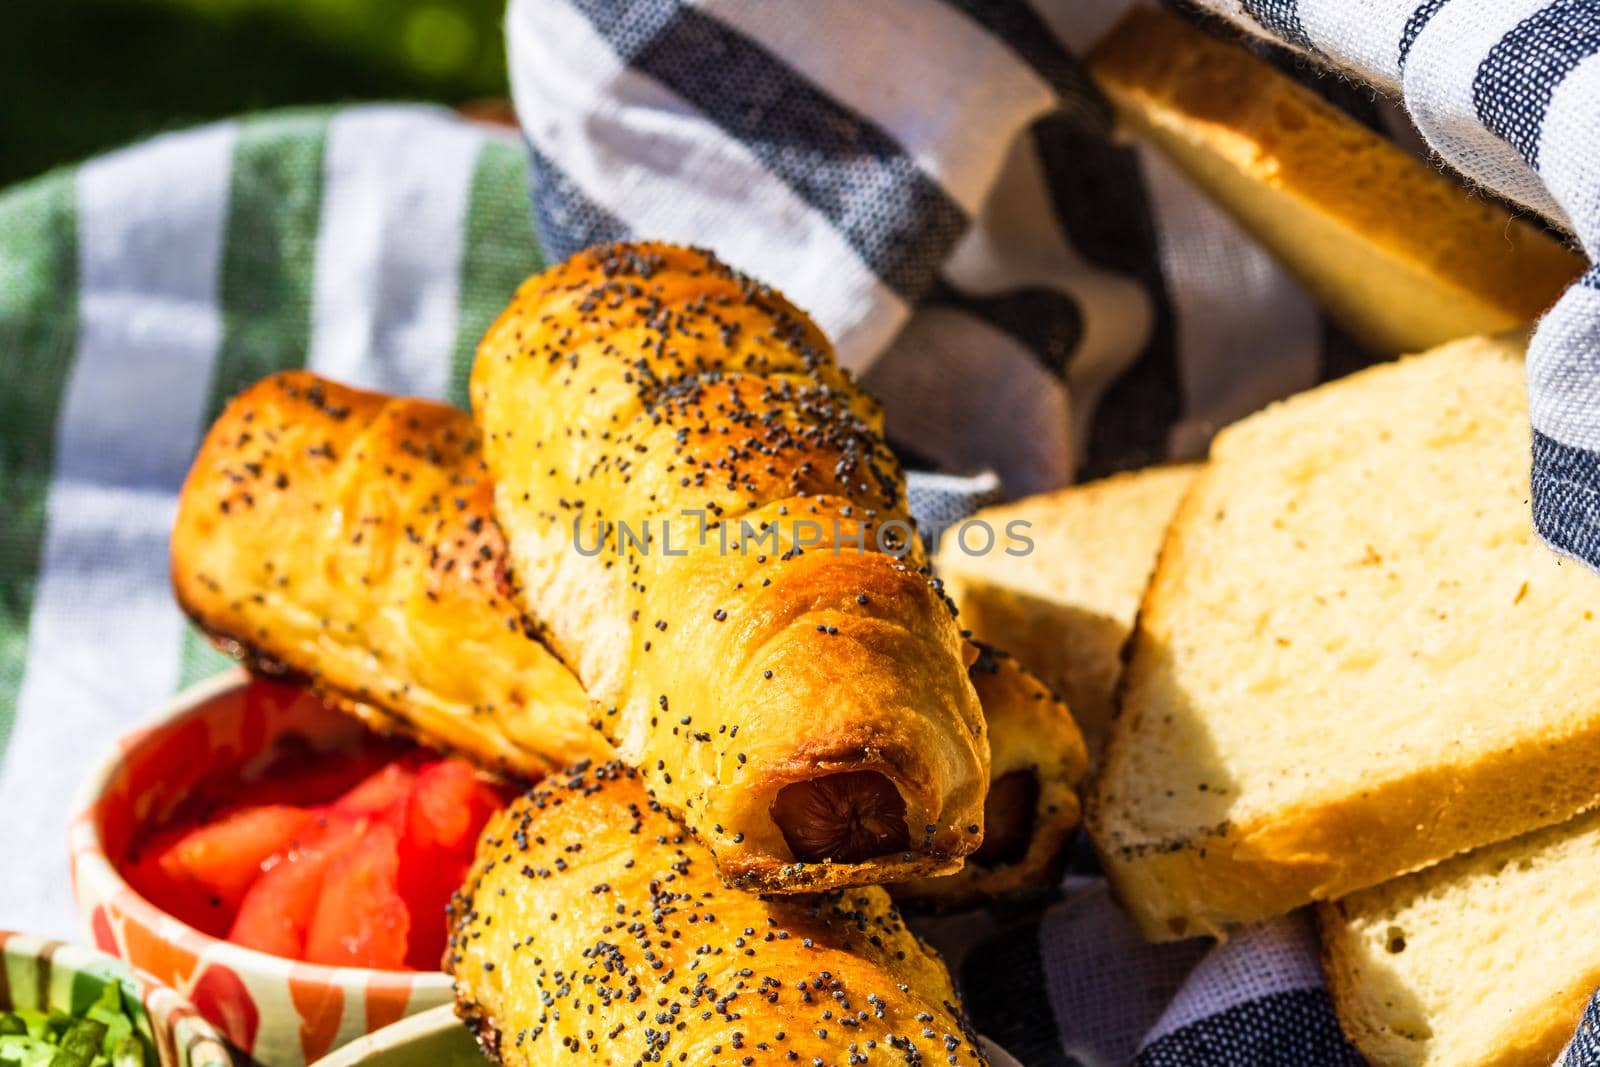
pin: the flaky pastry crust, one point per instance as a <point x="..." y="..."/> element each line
<point x="346" y="538"/>
<point x="1038" y="763"/>
<point x="767" y="677"/>
<point x="594" y="929"/>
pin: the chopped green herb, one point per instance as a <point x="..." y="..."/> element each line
<point x="103" y="1037"/>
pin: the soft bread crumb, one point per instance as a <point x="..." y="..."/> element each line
<point x="1355" y="657"/>
<point x="1486" y="959"/>
<point x="1065" y="608"/>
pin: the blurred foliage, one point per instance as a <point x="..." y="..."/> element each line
<point x="81" y="76"/>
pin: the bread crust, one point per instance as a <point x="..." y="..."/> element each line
<point x="592" y="924"/>
<point x="345" y="539"/>
<point x="1239" y="872"/>
<point x="1399" y="254"/>
<point x="637" y="383"/>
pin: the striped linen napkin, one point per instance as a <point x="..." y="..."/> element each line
<point x="140" y="291"/>
<point x="931" y="178"/>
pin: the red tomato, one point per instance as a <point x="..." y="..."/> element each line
<point x="360" y="918"/>
<point x="304" y="776"/>
<point x="222" y="858"/>
<point x="277" y="911"/>
<point x="383" y="795"/>
<point x="426" y="888"/>
<point x="180" y="898"/>
<point x="345" y="858"/>
<point x="449" y="805"/>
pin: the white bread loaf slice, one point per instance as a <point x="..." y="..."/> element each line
<point x="1485" y="960"/>
<point x="1355" y="657"/>
<point x="1400" y="255"/>
<point x="1066" y="607"/>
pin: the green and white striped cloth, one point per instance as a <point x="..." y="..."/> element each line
<point x="137" y="293"/>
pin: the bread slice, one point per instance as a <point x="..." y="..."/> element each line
<point x="1486" y="960"/>
<point x="1400" y="255"/>
<point x="1355" y="657"/>
<point x="1065" y="608"/>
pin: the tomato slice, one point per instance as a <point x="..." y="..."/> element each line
<point x="448" y="807"/>
<point x="303" y="776"/>
<point x="360" y="919"/>
<point x="382" y="795"/>
<point x="277" y="911"/>
<point x="222" y="858"/>
<point x="441" y="804"/>
<point x="178" y="897"/>
<point x="349" y="862"/>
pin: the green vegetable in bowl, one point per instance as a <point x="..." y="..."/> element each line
<point x="104" y="1036"/>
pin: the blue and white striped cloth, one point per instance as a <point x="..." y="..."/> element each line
<point x="935" y="183"/>
<point x="931" y="178"/>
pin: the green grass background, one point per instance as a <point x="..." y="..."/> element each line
<point x="80" y="76"/>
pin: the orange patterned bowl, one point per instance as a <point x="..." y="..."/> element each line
<point x="282" y="1012"/>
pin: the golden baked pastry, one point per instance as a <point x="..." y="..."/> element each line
<point x="347" y="537"/>
<point x="1038" y="750"/>
<point x="700" y="507"/>
<point x="1037" y="761"/>
<point x="594" y="929"/>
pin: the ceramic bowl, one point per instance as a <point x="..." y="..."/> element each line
<point x="42" y="974"/>
<point x="434" y="1038"/>
<point x="282" y="1012"/>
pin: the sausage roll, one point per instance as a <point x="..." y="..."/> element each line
<point x="347" y="537"/>
<point x="1037" y="763"/>
<point x="1035" y="746"/>
<point x="594" y="930"/>
<point x="700" y="507"/>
